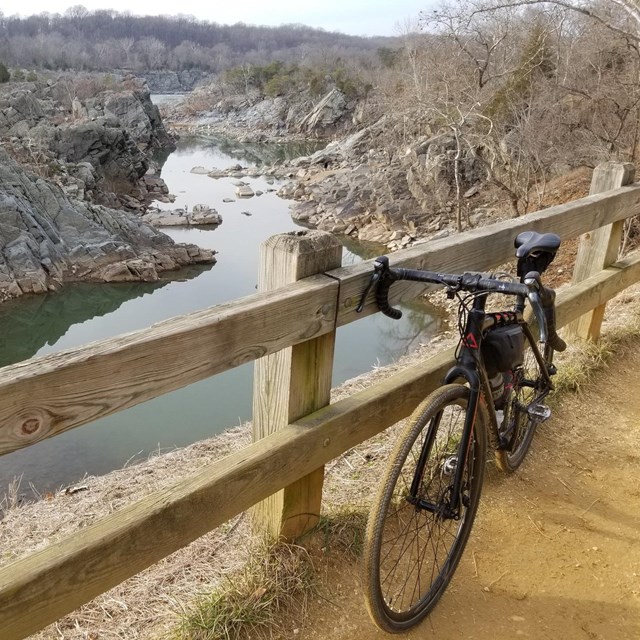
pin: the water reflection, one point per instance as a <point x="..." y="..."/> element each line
<point x="258" y="154"/>
<point x="355" y="250"/>
<point x="422" y="320"/>
<point x="85" y="313"/>
<point x="27" y="325"/>
<point x="267" y="153"/>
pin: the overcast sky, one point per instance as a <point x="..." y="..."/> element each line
<point x="356" y="17"/>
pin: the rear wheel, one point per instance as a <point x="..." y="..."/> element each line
<point x="522" y="413"/>
<point x="414" y="540"/>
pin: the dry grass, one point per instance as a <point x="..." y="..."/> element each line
<point x="268" y="597"/>
<point x="156" y="603"/>
<point x="226" y="567"/>
<point x="148" y="604"/>
<point x="577" y="366"/>
<point x="256" y="602"/>
<point x="340" y="532"/>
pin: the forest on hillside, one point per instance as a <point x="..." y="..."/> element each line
<point x="104" y="40"/>
<point x="524" y="90"/>
<point x="517" y="91"/>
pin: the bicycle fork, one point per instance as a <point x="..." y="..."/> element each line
<point x="448" y="505"/>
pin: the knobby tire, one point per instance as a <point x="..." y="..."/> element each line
<point x="412" y="553"/>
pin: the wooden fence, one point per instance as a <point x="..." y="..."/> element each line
<point x="288" y="327"/>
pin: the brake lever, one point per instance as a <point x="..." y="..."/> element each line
<point x="377" y="274"/>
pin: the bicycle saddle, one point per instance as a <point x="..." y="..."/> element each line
<point x="530" y="243"/>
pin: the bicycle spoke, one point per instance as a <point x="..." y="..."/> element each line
<point x="422" y="516"/>
<point x="528" y="387"/>
<point x="419" y="542"/>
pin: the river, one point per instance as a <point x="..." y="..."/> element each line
<point x="87" y="312"/>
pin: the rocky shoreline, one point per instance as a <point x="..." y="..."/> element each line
<point x="359" y="185"/>
<point x="200" y="215"/>
<point x="94" y="144"/>
<point x="91" y="135"/>
<point x="48" y="239"/>
<point x="249" y="119"/>
<point x="75" y="175"/>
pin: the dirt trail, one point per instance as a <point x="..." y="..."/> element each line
<point x="555" y="550"/>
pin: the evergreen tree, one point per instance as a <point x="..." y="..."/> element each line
<point x="5" y="76"/>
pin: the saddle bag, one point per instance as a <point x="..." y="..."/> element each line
<point x="503" y="349"/>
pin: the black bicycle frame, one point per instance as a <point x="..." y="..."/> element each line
<point x="467" y="367"/>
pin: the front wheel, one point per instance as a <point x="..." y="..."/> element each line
<point x="414" y="540"/>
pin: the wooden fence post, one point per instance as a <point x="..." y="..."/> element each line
<point x="599" y="248"/>
<point x="293" y="382"/>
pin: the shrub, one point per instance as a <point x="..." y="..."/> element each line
<point x="5" y="76"/>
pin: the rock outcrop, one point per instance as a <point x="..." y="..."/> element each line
<point x="326" y="114"/>
<point x="355" y="187"/>
<point x="136" y="114"/>
<point x="200" y="215"/>
<point x="96" y="148"/>
<point x="48" y="238"/>
<point x="253" y="118"/>
<point x="106" y="147"/>
<point x="174" y="81"/>
<point x="363" y="183"/>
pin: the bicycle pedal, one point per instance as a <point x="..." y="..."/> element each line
<point x="540" y="411"/>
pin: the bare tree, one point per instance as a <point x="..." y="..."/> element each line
<point x="598" y="11"/>
<point x="529" y="103"/>
<point x="228" y="45"/>
<point x="153" y="51"/>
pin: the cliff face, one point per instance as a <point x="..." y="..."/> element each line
<point x="175" y="81"/>
<point x="92" y="136"/>
<point x="376" y="182"/>
<point x="375" y="193"/>
<point x="255" y="118"/>
<point x="48" y="238"/>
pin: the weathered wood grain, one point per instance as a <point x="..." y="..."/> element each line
<point x="485" y="248"/>
<point x="574" y="302"/>
<point x="42" y="397"/>
<point x="44" y="586"/>
<point x="295" y="381"/>
<point x="599" y="248"/>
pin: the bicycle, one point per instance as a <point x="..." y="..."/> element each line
<point x="428" y="498"/>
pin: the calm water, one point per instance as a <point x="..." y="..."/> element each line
<point x="84" y="313"/>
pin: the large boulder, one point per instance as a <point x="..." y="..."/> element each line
<point x="136" y="114"/>
<point x="107" y="147"/>
<point x="19" y="107"/>
<point x="96" y="142"/>
<point x="174" y="81"/>
<point x="326" y="114"/>
<point x="47" y="238"/>
<point x="380" y="194"/>
<point x="50" y="128"/>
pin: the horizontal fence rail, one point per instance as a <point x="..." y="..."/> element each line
<point x="487" y="247"/>
<point x="37" y="590"/>
<point x="46" y="396"/>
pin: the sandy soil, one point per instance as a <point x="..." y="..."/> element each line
<point x="555" y="550"/>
